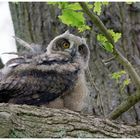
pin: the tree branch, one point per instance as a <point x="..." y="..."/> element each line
<point x="24" y="121"/>
<point x="125" y="105"/>
<point x="132" y="100"/>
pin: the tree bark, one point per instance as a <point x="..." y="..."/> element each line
<point x="24" y="121"/>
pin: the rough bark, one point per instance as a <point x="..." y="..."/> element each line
<point x="39" y="23"/>
<point x="29" y="121"/>
<point x="36" y="22"/>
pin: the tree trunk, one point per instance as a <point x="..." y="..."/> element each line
<point x="36" y="22"/>
<point x="39" y="23"/>
<point x="30" y="121"/>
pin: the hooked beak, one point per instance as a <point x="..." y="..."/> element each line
<point x="72" y="51"/>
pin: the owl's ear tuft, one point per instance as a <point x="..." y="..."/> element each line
<point x="67" y="32"/>
<point x="84" y="40"/>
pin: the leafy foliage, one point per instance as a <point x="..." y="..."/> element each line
<point x="73" y="18"/>
<point x="126" y="82"/>
<point x="121" y="77"/>
<point x="105" y="43"/>
<point x="74" y="6"/>
<point x="68" y="16"/>
<point x="98" y="7"/>
<point x="72" y="15"/>
<point x="116" y="36"/>
<point x="118" y="75"/>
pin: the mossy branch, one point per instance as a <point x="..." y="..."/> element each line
<point x="131" y="100"/>
<point x="125" y="105"/>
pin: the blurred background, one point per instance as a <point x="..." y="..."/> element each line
<point x="7" y="42"/>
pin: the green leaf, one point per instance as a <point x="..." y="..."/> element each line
<point x="126" y="82"/>
<point x="89" y="5"/>
<point x="53" y="3"/>
<point x="116" y="36"/>
<point x="74" y="6"/>
<point x="83" y="28"/>
<point x="122" y="72"/>
<point x="105" y="44"/>
<point x="105" y="3"/>
<point x="62" y="5"/>
<point x="72" y="18"/>
<point x="101" y="38"/>
<point x="71" y="15"/>
<point x="108" y="46"/>
<point x="117" y="75"/>
<point x="97" y="7"/>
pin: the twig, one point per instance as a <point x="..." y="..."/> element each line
<point x="108" y="60"/>
<point x="125" y="105"/>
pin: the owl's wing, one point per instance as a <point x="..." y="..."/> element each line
<point x="38" y="84"/>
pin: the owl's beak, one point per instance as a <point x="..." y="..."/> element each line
<point x="72" y="51"/>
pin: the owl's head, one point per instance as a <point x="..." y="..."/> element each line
<point x="70" y="45"/>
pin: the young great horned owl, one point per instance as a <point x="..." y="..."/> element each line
<point x="55" y="78"/>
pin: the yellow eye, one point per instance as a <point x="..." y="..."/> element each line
<point x="66" y="45"/>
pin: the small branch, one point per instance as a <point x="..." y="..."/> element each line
<point x="108" y="60"/>
<point x="130" y="69"/>
<point x="132" y="100"/>
<point x="125" y="105"/>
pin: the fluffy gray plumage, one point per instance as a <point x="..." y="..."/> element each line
<point x="47" y="75"/>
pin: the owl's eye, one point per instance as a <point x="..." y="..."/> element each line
<point x="66" y="45"/>
<point x="62" y="44"/>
